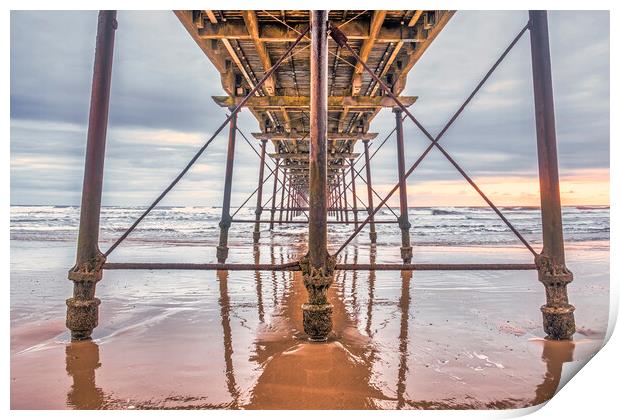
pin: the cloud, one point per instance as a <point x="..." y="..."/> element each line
<point x="161" y="110"/>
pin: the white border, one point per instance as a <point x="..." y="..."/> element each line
<point x="592" y="393"/>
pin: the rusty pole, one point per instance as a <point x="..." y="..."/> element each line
<point x="222" y="248"/>
<point x="259" y="194"/>
<point x="373" y="233"/>
<point x="273" y="195"/>
<point x="340" y="200"/>
<point x="284" y="176"/>
<point x="354" y="206"/>
<point x="343" y="183"/>
<point x="403" y="220"/>
<point x="288" y="199"/>
<point x="83" y="307"/>
<point x="337" y="202"/>
<point x="558" y="314"/>
<point x="318" y="266"/>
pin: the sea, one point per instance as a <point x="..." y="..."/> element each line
<point x="459" y="226"/>
<point x="234" y="339"/>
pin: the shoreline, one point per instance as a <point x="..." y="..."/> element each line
<point x="211" y="340"/>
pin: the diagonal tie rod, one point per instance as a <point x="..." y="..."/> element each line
<point x="234" y="112"/>
<point x="342" y="40"/>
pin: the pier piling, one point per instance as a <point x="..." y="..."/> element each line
<point x="558" y="317"/>
<point x="226" y="220"/>
<point x="83" y="307"/>
<point x="311" y="165"/>
<point x="318" y="266"/>
<point x="403" y="220"/>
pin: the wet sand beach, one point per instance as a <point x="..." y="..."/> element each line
<point x="401" y="340"/>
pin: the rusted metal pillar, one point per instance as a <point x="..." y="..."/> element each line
<point x="225" y="222"/>
<point x="336" y="192"/>
<point x="403" y="220"/>
<point x="288" y="199"/>
<point x="344" y="196"/>
<point x="373" y="233"/>
<point x="273" y="195"/>
<point x="317" y="266"/>
<point x="83" y="307"/>
<point x="259" y="193"/>
<point x="340" y="199"/>
<point x="284" y="176"/>
<point x="354" y="205"/>
<point x="558" y="314"/>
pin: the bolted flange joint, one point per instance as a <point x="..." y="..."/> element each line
<point x="225" y="222"/>
<point x="404" y="223"/>
<point x="82" y="317"/>
<point x="83" y="307"/>
<point x="89" y="270"/>
<point x="317" y="312"/>
<point x="558" y="314"/>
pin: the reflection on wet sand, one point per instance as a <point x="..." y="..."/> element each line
<point x="360" y="366"/>
<point x="403" y="338"/>
<point x="82" y="359"/>
<point x="297" y="373"/>
<point x="224" y="301"/>
<point x="555" y="354"/>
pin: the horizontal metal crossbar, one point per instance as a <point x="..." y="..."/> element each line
<point x="294" y="266"/>
<point x="329" y="222"/>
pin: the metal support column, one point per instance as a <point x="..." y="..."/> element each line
<point x="343" y="183"/>
<point x="337" y="202"/>
<point x="558" y="314"/>
<point x="83" y="307"/>
<point x="284" y="177"/>
<point x="403" y="220"/>
<point x="288" y="199"/>
<point x="273" y="195"/>
<point x="225" y="222"/>
<point x="259" y="193"/>
<point x="373" y="233"/>
<point x="318" y="266"/>
<point x="354" y="193"/>
<point x="340" y="200"/>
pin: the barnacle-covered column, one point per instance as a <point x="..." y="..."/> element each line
<point x="403" y="220"/>
<point x="83" y="307"/>
<point x="558" y="317"/>
<point x="226" y="221"/>
<point x="317" y="266"/>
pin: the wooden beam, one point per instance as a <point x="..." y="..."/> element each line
<point x="376" y="23"/>
<point x="306" y="156"/>
<point x="251" y="22"/>
<point x="305" y="136"/>
<point x="415" y="55"/>
<point x="186" y="19"/>
<point x="412" y="22"/>
<point x="269" y="32"/>
<point x="334" y="102"/>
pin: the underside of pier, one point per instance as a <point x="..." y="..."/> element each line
<point x="314" y="81"/>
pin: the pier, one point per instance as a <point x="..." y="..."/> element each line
<point x="314" y="81"/>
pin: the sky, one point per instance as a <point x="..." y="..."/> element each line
<point x="161" y="112"/>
